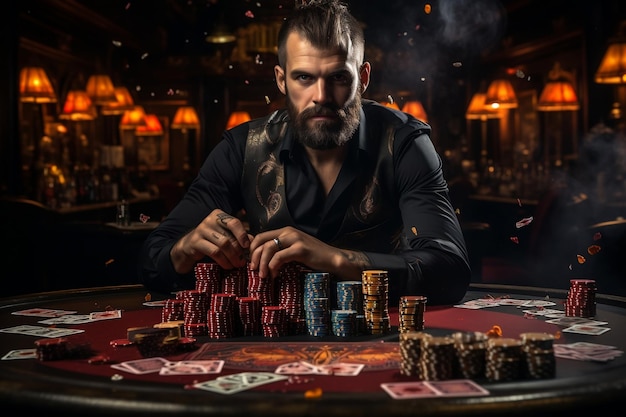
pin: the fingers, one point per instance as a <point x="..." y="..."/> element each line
<point x="269" y="251"/>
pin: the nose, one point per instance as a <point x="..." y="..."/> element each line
<point x="322" y="95"/>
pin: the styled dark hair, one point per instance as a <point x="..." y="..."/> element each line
<point x="327" y="24"/>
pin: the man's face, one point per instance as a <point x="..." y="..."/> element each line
<point x="323" y="90"/>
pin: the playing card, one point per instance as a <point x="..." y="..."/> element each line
<point x="210" y="366"/>
<point x="538" y="303"/>
<point x="42" y="312"/>
<point x="457" y="388"/>
<point x="68" y="319"/>
<point x="20" y="354"/>
<point x="296" y="368"/>
<point x="40" y="331"/>
<point x="568" y="321"/>
<point x="343" y="369"/>
<point x="586" y="329"/>
<point x="106" y="315"/>
<point x="142" y="366"/>
<point x="158" y="303"/>
<point x="408" y="390"/>
<point x="182" y="369"/>
<point x="222" y="386"/>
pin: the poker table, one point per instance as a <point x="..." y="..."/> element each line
<point x="89" y="386"/>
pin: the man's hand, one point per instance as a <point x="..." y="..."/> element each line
<point x="270" y="250"/>
<point x="220" y="236"/>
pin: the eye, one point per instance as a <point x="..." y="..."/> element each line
<point x="304" y="78"/>
<point x="341" y="78"/>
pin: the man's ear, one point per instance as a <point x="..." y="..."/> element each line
<point x="279" y="74"/>
<point x="364" y="75"/>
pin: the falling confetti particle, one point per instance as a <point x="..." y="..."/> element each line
<point x="143" y="218"/>
<point x="581" y="259"/>
<point x="148" y="297"/>
<point x="593" y="249"/>
<point x="519" y="202"/>
<point x="524" y="222"/>
<point x="514" y="239"/>
<point x="109" y="262"/>
<point x="414" y="230"/>
<point x="597" y="236"/>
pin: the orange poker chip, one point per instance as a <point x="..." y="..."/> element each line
<point x="495" y="331"/>
<point x="313" y="393"/>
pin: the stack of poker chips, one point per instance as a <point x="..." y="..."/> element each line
<point x="581" y="298"/>
<point x="52" y="349"/>
<point x="173" y="310"/>
<point x="470" y="351"/>
<point x="261" y="288"/>
<point x="290" y="295"/>
<point x="234" y="281"/>
<point x="208" y="277"/>
<point x="344" y="323"/>
<point x="438" y="358"/>
<point x="274" y="321"/>
<point x="350" y="295"/>
<point x="539" y="359"/>
<point x="220" y="316"/>
<point x="504" y="359"/>
<point x="411" y="353"/>
<point x="249" y="315"/>
<point x="411" y="313"/>
<point x="317" y="303"/>
<point x="196" y="307"/>
<point x="376" y="301"/>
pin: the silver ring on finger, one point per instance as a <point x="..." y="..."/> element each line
<point x="278" y="244"/>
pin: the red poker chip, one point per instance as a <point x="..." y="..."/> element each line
<point x="121" y="343"/>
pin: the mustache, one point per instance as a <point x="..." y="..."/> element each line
<point x="321" y="110"/>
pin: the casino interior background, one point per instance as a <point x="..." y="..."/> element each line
<point x="560" y="160"/>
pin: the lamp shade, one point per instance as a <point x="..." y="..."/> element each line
<point x="152" y="127"/>
<point x="124" y="101"/>
<point x="236" y="118"/>
<point x="415" y="109"/>
<point x="131" y="119"/>
<point x="501" y="94"/>
<point x="78" y="106"/>
<point x="101" y="90"/>
<point x="185" y="118"/>
<point x="558" y="95"/>
<point x="35" y="86"/>
<point x="612" y="69"/>
<point x="479" y="110"/>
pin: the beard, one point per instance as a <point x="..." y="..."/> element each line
<point x="326" y="134"/>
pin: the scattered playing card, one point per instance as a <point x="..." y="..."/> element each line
<point x="424" y="389"/>
<point x="586" y="329"/>
<point x="230" y="384"/>
<point x="569" y="321"/>
<point x="296" y="368"/>
<point x="342" y="369"/>
<point x="157" y="303"/>
<point x="458" y="388"/>
<point x="40" y="331"/>
<point x="20" y="354"/>
<point x="142" y="366"/>
<point x="42" y="312"/>
<point x="408" y="390"/>
<point x="106" y="315"/>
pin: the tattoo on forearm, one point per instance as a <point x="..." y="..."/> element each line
<point x="358" y="258"/>
<point x="224" y="218"/>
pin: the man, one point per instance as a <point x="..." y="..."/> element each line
<point x="333" y="182"/>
